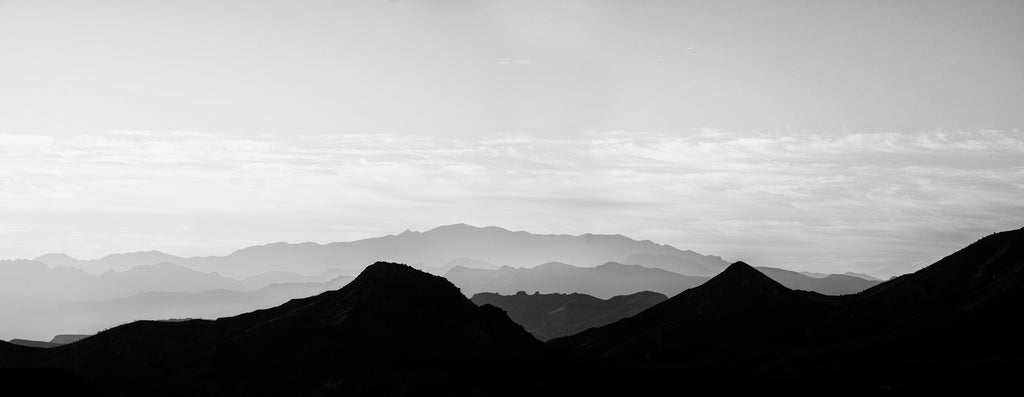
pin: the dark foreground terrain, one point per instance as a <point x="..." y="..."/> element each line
<point x="951" y="327"/>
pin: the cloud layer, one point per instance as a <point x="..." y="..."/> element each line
<point x="885" y="203"/>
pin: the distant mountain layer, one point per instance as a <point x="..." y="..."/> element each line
<point x="613" y="279"/>
<point x="548" y="316"/>
<point x="951" y="326"/>
<point x="34" y="282"/>
<point x="94" y="316"/>
<point x="431" y="250"/>
<point x="831" y="284"/>
<point x="605" y="281"/>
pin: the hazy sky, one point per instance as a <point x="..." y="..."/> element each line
<point x="823" y="135"/>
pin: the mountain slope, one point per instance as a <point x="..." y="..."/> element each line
<point x="93" y="316"/>
<point x="715" y="318"/>
<point x="392" y="330"/>
<point x="548" y="316"/>
<point x="605" y="281"/>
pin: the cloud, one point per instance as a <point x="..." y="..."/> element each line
<point x="880" y="202"/>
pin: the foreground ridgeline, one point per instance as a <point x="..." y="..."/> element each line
<point x="392" y="330"/>
<point x="395" y="330"/>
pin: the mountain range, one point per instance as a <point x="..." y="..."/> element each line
<point x="89" y="317"/>
<point x="393" y="330"/>
<point x="611" y="279"/>
<point x="947" y="327"/>
<point x="432" y="250"/>
<point x="548" y="316"/>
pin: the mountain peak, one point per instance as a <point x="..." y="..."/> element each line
<point x="745" y="279"/>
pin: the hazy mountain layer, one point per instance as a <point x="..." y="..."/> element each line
<point x="431" y="250"/>
<point x="548" y="316"/>
<point x="605" y="281"/>
<point x="613" y="279"/>
<point x="93" y="316"/>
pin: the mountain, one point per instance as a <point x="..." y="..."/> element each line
<point x="432" y="249"/>
<point x="949" y="327"/>
<point x="116" y="262"/>
<point x="548" y="316"/>
<point x="604" y="281"/>
<point x="392" y="330"/>
<point x="33" y="343"/>
<point x="852" y="274"/>
<point x="715" y="318"/>
<point x="30" y="282"/>
<point x="93" y="316"/>
<point x="831" y="284"/>
<point x="281" y="277"/>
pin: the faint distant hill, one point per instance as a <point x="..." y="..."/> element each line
<point x="830" y="284"/>
<point x="393" y="330"/>
<point x="117" y="262"/>
<point x="39" y="283"/>
<point x="432" y="250"/>
<point x="548" y="316"/>
<point x="854" y="274"/>
<point x="604" y="281"/>
<point x="59" y="340"/>
<point x="613" y="279"/>
<point x="676" y="264"/>
<point x="93" y="316"/>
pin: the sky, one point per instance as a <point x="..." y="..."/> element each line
<point x="873" y="136"/>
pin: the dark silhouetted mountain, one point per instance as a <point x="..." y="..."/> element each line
<point x="93" y="316"/>
<point x="949" y="327"/>
<point x="605" y="281"/>
<point x="393" y="330"/>
<point x="832" y="284"/>
<point x="548" y="316"/>
<point x="430" y="250"/>
<point x="716" y="318"/>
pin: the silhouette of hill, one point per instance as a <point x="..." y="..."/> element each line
<point x="831" y="284"/>
<point x="604" y="281"/>
<point x="947" y="327"/>
<point x="548" y="316"/>
<point x="392" y="330"/>
<point x="716" y="318"/>
<point x="430" y="250"/>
